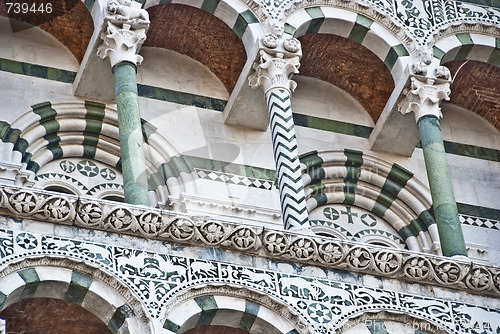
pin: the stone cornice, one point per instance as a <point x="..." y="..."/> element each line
<point x="284" y="245"/>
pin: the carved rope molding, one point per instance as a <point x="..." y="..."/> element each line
<point x="204" y="231"/>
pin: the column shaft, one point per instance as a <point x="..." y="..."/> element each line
<point x="286" y="156"/>
<point x="135" y="183"/>
<point x="443" y="199"/>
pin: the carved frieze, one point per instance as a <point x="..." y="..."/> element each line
<point x="202" y="231"/>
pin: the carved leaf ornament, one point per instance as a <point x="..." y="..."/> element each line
<point x="171" y="227"/>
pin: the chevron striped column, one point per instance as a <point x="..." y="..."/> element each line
<point x="286" y="157"/>
<point x="273" y="72"/>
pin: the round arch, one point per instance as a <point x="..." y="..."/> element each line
<point x="90" y="130"/>
<point x="386" y="189"/>
<point x="76" y="282"/>
<point x="373" y="30"/>
<point x="233" y="306"/>
<point x="467" y="45"/>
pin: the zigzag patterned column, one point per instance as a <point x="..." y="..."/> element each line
<point x="286" y="156"/>
<point x="272" y="72"/>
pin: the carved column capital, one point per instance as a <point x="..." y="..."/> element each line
<point x="274" y="71"/>
<point x="125" y="31"/>
<point x="423" y="97"/>
<point x="121" y="44"/>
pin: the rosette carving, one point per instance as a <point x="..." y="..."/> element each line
<point x="358" y="258"/>
<point x="150" y="223"/>
<point x="121" y="220"/>
<point x="275" y="243"/>
<point x="89" y="214"/>
<point x="478" y="279"/>
<point x="447" y="272"/>
<point x="213" y="233"/>
<point x="57" y="209"/>
<point x="244" y="238"/>
<point x="417" y="267"/>
<point x="24" y="203"/>
<point x="302" y="248"/>
<point x="331" y="252"/>
<point x="179" y="229"/>
<point x="387" y="262"/>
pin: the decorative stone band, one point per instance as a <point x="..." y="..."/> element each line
<point x="283" y="245"/>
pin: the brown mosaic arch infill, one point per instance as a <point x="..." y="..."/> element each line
<point x="349" y="66"/>
<point x="73" y="28"/>
<point x="477" y="88"/>
<point x="199" y="35"/>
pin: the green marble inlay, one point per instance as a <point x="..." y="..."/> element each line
<point x="37" y="71"/>
<point x="243" y="20"/>
<point x="321" y="199"/>
<point x="354" y="158"/>
<point x="311" y="159"/>
<point x="78" y="288"/>
<point x="29" y="275"/>
<point x="316" y="174"/>
<point x="444" y="205"/>
<point x="490" y="3"/>
<point x="478" y="211"/>
<point x="171" y="326"/>
<point x="206" y="317"/>
<point x="3" y="298"/>
<point x="210" y="5"/>
<point x="89" y="4"/>
<point x="315" y="12"/>
<point x="135" y="184"/>
<point x="332" y="125"/>
<point x="290" y="29"/>
<point x="119" y="317"/>
<point x="494" y="58"/>
<point x="393" y="55"/>
<point x="464" y="38"/>
<point x="206" y="303"/>
<point x="181" y="97"/>
<point x="248" y="318"/>
<point x="376" y="327"/>
<point x="4" y="129"/>
<point x="472" y="151"/>
<point x="314" y="26"/>
<point x="438" y="53"/>
<point x="464" y="51"/>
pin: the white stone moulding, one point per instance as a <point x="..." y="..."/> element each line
<point x="253" y="240"/>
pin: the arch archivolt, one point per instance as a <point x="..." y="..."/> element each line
<point x="61" y="277"/>
<point x="89" y="131"/>
<point x="232" y="302"/>
<point x="388" y="191"/>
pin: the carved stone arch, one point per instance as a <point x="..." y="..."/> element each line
<point x="382" y="35"/>
<point x="387" y="321"/>
<point x="90" y="130"/>
<point x="234" y="303"/>
<point x="75" y="281"/>
<point x="468" y="43"/>
<point x="244" y="17"/>
<point x="375" y="185"/>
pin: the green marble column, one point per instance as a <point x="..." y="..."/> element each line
<point x="443" y="198"/>
<point x="135" y="182"/>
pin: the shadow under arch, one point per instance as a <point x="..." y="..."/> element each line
<point x="102" y="294"/>
<point x="386" y="189"/>
<point x="249" y="309"/>
<point x="90" y="130"/>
